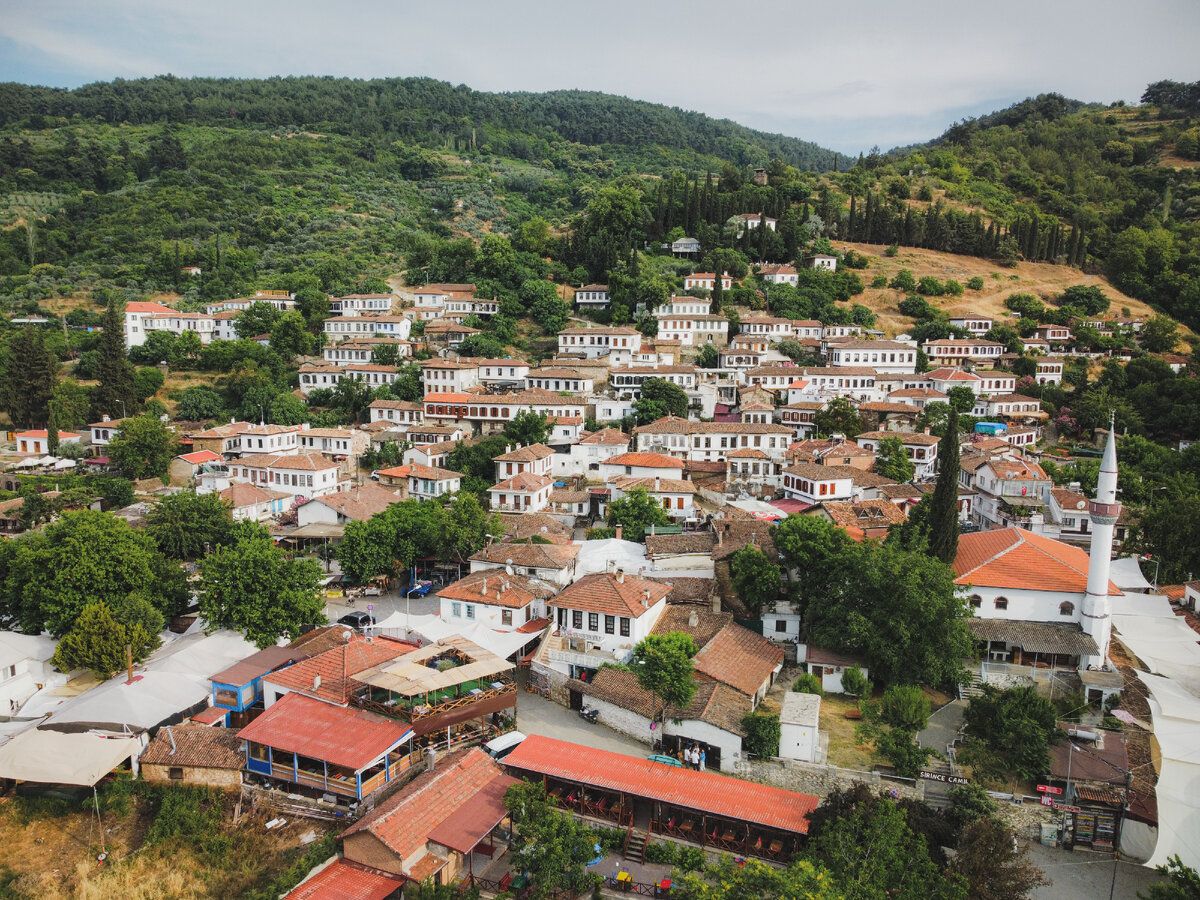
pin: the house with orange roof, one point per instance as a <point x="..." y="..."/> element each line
<point x="521" y="493"/>
<point x="535" y="459"/>
<point x="37" y="442"/>
<point x="921" y="448"/>
<point x="1012" y="491"/>
<point x="500" y="601"/>
<point x="136" y="314"/>
<point x="590" y="452"/>
<point x="305" y="475"/>
<point x="641" y="465"/>
<point x="676" y="496"/>
<point x="253" y="503"/>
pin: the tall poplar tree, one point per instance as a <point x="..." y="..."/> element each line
<point x="28" y="374"/>
<point x="943" y="507"/>
<point x="115" y="395"/>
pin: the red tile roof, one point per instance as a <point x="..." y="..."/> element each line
<point x="337" y="667"/>
<point x="345" y="737"/>
<point x="739" y="658"/>
<point x="706" y="792"/>
<point x="646" y="460"/>
<point x="1013" y="558"/>
<point x="491" y="588"/>
<point x="469" y="781"/>
<point x="210" y="716"/>
<point x="201" y="456"/>
<point x="604" y="593"/>
<point x="345" y="881"/>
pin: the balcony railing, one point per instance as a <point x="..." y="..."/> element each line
<point x="416" y="711"/>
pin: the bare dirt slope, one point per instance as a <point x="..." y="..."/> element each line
<point x="1040" y="279"/>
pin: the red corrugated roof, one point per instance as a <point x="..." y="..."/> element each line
<point x="210" y="716"/>
<point x="336" y="734"/>
<point x="201" y="456"/>
<point x="706" y="792"/>
<point x="345" y="881"/>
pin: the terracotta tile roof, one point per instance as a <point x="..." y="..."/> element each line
<point x="565" y="496"/>
<point x="920" y="394"/>
<point x="733" y="534"/>
<point x="346" y="737"/>
<point x="654" y="484"/>
<point x="209" y="716"/>
<point x="864" y="514"/>
<point x="739" y="658"/>
<point x="359" y="503"/>
<point x="882" y="407"/>
<point x="673" y="425"/>
<point x="404" y="822"/>
<point x="445" y="288"/>
<point x="746" y="453"/>
<point x="1035" y="637"/>
<point x="604" y="593"/>
<point x="396" y="404"/>
<point x="196" y="745"/>
<point x="695" y="591"/>
<point x="900" y="491"/>
<point x="447" y="397"/>
<point x="646" y="460"/>
<point x="243" y="494"/>
<point x="201" y="456"/>
<point x="701" y="625"/>
<point x="537" y="556"/>
<point x="671" y="544"/>
<point x="522" y="526"/>
<point x="714" y="703"/>
<point x="431" y="473"/>
<point x="143" y="306"/>
<point x="523" y="481"/>
<point x="532" y="453"/>
<point x="818" y="472"/>
<point x="946" y="373"/>
<point x="607" y="330"/>
<point x="337" y="666"/>
<point x="704" y="792"/>
<point x="837" y="370"/>
<point x="305" y="462"/>
<point x="919" y="439"/>
<point x="491" y="587"/>
<point x="1017" y="559"/>
<point x="1017" y="470"/>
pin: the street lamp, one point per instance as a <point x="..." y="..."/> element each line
<point x="1148" y="558"/>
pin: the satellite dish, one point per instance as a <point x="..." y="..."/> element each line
<point x="346" y="635"/>
<point x="508" y="569"/>
<point x="508" y="562"/>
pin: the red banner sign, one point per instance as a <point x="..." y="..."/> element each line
<point x="1047" y="789"/>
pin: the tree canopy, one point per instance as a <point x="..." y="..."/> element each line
<point x="635" y="513"/>
<point x="663" y="665"/>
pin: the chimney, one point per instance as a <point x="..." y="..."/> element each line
<point x="105" y="419"/>
<point x="316" y="682"/>
<point x="618" y="531"/>
<point x="484" y="592"/>
<point x="653" y="530"/>
<point x="646" y="598"/>
<point x="657" y="483"/>
<point x="693" y="619"/>
<point x="620" y="576"/>
<point x="927" y="431"/>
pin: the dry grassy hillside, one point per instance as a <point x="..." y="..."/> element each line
<point x="1040" y="279"/>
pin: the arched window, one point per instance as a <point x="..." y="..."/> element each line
<point x="1001" y="603"/>
<point x="976" y="601"/>
<point x="1066" y="608"/>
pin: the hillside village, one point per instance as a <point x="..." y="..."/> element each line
<point x="672" y="576"/>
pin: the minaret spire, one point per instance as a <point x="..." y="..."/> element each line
<point x="1103" y="512"/>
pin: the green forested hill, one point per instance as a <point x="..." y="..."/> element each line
<point x="421" y="110"/>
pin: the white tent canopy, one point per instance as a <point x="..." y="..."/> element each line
<point x="1166" y="646"/>
<point x="1126" y="574"/>
<point x="434" y="628"/>
<point x="1176" y="716"/>
<point x="51" y="757"/>
<point x="608" y="555"/>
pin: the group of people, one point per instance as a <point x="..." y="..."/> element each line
<point x="692" y="757"/>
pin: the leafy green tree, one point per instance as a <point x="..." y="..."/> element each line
<point x="660" y="398"/>
<point x="1015" y="727"/>
<point x="904" y="281"/>
<point x="115" y="395"/>
<point x="289" y="335"/>
<point x="962" y="399"/>
<point x="663" y="665"/>
<point x="146" y="382"/>
<point x="942" y="518"/>
<point x="49" y="579"/>
<point x="757" y="580"/>
<point x="708" y="358"/>
<point x="808" y="683"/>
<point x="288" y="409"/>
<point x="729" y="880"/>
<point x="552" y="847"/>
<point x="70" y="402"/>
<point x="143" y="447"/>
<point x="1181" y="882"/>
<point x="1169" y="528"/>
<point x="550" y="312"/>
<point x="1160" y="334"/>
<point x="468" y="525"/>
<point x="97" y="642"/>
<point x="200" y="402"/>
<point x="159" y="346"/>
<point x="839" y="417"/>
<point x="635" y="513"/>
<point x="249" y="585"/>
<point x="900" y="748"/>
<point x="993" y="866"/>
<point x="28" y="375"/>
<point x="52" y="432"/>
<point x="527" y="427"/>
<point x="259" y="318"/>
<point x="866" y="843"/>
<point x="186" y="351"/>
<point x="183" y="524"/>
<point x="892" y="461"/>
<point x="905" y="706"/>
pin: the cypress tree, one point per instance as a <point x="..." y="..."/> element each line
<point x="669" y="219"/>
<point x="115" y="395"/>
<point x="943" y="505"/>
<point x="718" y="291"/>
<point x="52" y="431"/>
<point x="850" y="232"/>
<point x="762" y="235"/>
<point x="28" y="374"/>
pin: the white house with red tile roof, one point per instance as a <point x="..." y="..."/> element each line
<point x="976" y="323"/>
<point x="676" y="496"/>
<point x="448" y="375"/>
<point x="812" y="483"/>
<point x="103" y="431"/>
<point x="619" y="343"/>
<point x="175" y="322"/>
<point x="882" y="356"/>
<point x="779" y="273"/>
<point x="600" y="618"/>
<point x="298" y="474"/>
<point x="536" y="459"/>
<point x="707" y="281"/>
<point x="401" y="413"/>
<point x="921" y="449"/>
<point x="641" y="465"/>
<point x="753" y="220"/>
<point x="430" y="482"/>
<point x="592" y="295"/>
<point x="522" y="493"/>
<point x="185" y="467"/>
<point x="493" y="598"/>
<point x="37" y="442"/>
<point x="136" y="313"/>
<point x="254" y="503"/>
<point x="591" y="452"/>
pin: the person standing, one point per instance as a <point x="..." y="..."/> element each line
<point x="703" y="756"/>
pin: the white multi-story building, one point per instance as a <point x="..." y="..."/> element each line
<point x="601" y="618"/>
<point x="882" y="356"/>
<point x="526" y="493"/>
<point x="779" y="273"/>
<point x="811" y="483"/>
<point x="618" y="343"/>
<point x="340" y="328"/>
<point x="358" y="304"/>
<point x="710" y="441"/>
<point x="976" y="323"/>
<point x="707" y="281"/>
<point x="448" y="376"/>
<point x="956" y="351"/>
<point x="594" y="296"/>
<point x="921" y="448"/>
<point x="841" y="381"/>
<point x="500" y="372"/>
<point x="403" y="413"/>
<point x="627" y="382"/>
<point x="299" y="474"/>
<point x="687" y="320"/>
<point x="430" y="300"/>
<point x="558" y="380"/>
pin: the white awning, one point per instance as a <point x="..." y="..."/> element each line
<point x="1126" y="574"/>
<point x="52" y="757"/>
<point x="1176" y="717"/>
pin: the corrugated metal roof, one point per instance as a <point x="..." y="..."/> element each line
<point x="344" y="881"/>
<point x="704" y="792"/>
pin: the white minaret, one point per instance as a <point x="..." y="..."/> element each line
<point x="1103" y="512"/>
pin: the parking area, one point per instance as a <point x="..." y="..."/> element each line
<point x="538" y="715"/>
<point x="1083" y="875"/>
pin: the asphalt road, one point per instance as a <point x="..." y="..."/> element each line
<point x="1083" y="875"/>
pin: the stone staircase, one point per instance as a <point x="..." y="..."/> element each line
<point x="635" y="846"/>
<point x="937" y="793"/>
<point x="971" y="688"/>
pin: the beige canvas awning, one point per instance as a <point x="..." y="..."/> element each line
<point x="409" y="675"/>
<point x="55" y="757"/>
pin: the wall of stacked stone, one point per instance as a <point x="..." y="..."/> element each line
<point x="818" y="779"/>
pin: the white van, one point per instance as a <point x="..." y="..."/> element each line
<point x="498" y="748"/>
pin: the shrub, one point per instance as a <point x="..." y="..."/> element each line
<point x="691" y="859"/>
<point x="762" y="735"/>
<point x="879" y="281"/>
<point x="1112" y="723"/>
<point x="900" y="749"/>
<point x="903" y="281"/>
<point x="953" y="288"/>
<point x="975" y="283"/>
<point x="855" y="683"/>
<point x="905" y="707"/>
<point x="601" y="534"/>
<point x="808" y="683"/>
<point x="892" y="250"/>
<point x="662" y="852"/>
<point x="930" y="287"/>
<point x="917" y="307"/>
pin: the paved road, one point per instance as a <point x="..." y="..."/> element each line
<point x="943" y="726"/>
<point x="1082" y="875"/>
<point x="538" y="715"/>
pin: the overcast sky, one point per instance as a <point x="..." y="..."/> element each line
<point x="846" y="75"/>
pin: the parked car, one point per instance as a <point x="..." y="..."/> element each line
<point x="358" y="619"/>
<point x="498" y="748"/>
<point x="420" y="589"/>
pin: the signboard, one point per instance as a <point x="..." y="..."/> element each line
<point x="1059" y="805"/>
<point x="1048" y="789"/>
<point x="1047" y="801"/>
<point x="945" y="779"/>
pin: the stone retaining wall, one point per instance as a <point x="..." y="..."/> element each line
<point x="818" y="779"/>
